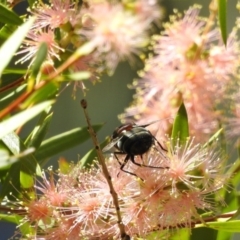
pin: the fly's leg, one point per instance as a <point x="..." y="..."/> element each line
<point x="119" y="153"/>
<point x="159" y="144"/>
<point x="143" y="165"/>
<point x="122" y="165"/>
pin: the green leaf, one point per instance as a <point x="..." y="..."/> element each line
<point x="19" y="119"/>
<point x="9" y="47"/>
<point x="31" y="3"/>
<point x="213" y="138"/>
<point x="63" y="141"/>
<point x="5" y="159"/>
<point x="6" y="31"/>
<point x="39" y="131"/>
<point x="77" y="76"/>
<point x="13" y="143"/>
<point x="8" y="218"/>
<point x="228" y="226"/>
<point x="87" y="160"/>
<point x="10" y="95"/>
<point x="222" y="15"/>
<point x="156" y="234"/>
<point x="26" y="179"/>
<point x="203" y="233"/>
<point x="11" y="185"/>
<point x="183" y="233"/>
<point x="39" y="59"/>
<point x="21" y="173"/>
<point x="8" y="16"/>
<point x="29" y="168"/>
<point x="222" y="235"/>
<point x="25" y="227"/>
<point x="85" y="49"/>
<point x="231" y="198"/>
<point x="15" y="71"/>
<point x="48" y="91"/>
<point x="180" y="131"/>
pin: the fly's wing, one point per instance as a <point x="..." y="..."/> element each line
<point x="111" y="144"/>
<point x="146" y="125"/>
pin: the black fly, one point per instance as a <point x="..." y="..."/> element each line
<point x="132" y="140"/>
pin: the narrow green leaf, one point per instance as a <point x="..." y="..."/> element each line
<point x="13" y="142"/>
<point x="222" y="235"/>
<point x="77" y="76"/>
<point x="88" y="158"/>
<point x="5" y="159"/>
<point x="203" y="233"/>
<point x="181" y="234"/>
<point x="10" y="95"/>
<point x="222" y="15"/>
<point x="26" y="179"/>
<point x="40" y="131"/>
<point x="19" y="119"/>
<point x="180" y="131"/>
<point x="231" y="198"/>
<point x="9" y="47"/>
<point x="228" y="226"/>
<point x="84" y="49"/>
<point x="11" y="185"/>
<point x="213" y="138"/>
<point x="44" y="93"/>
<point x="235" y="215"/>
<point x="8" y="16"/>
<point x="157" y="234"/>
<point x="21" y="173"/>
<point x="63" y="141"/>
<point x="234" y="171"/>
<point x="25" y="227"/>
<point x="14" y="71"/>
<point x="8" y="218"/>
<point x="6" y="31"/>
<point x="39" y="59"/>
<point x="31" y="3"/>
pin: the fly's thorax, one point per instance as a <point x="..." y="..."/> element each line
<point x="136" y="141"/>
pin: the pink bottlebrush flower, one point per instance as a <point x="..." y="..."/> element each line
<point x="181" y="210"/>
<point x="195" y="166"/>
<point x="39" y="210"/>
<point x="33" y="41"/>
<point x="55" y="15"/>
<point x="49" y="189"/>
<point x="167" y="197"/>
<point x="116" y="32"/>
<point x="171" y="198"/>
<point x="38" y="214"/>
<point x="223" y="59"/>
<point x="90" y="201"/>
<point x="188" y="65"/>
<point x="64" y="231"/>
<point x="148" y="10"/>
